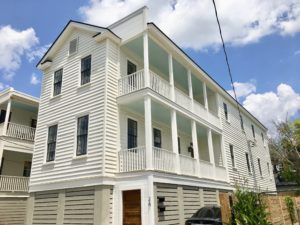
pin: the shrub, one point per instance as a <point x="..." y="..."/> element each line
<point x="290" y="207"/>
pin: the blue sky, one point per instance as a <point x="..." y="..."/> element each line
<point x="264" y="52"/>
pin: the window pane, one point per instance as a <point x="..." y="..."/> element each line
<point x="248" y="163"/>
<point x="232" y="155"/>
<point x="57" y="82"/>
<point x="82" y="134"/>
<point x="51" y="147"/>
<point x="157" y="138"/>
<point x="132" y="134"/>
<point x="85" y="70"/>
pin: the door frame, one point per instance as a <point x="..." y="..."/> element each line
<point x="118" y="207"/>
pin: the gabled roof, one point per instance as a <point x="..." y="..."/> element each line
<point x="72" y="24"/>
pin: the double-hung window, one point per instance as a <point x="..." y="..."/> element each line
<point x="131" y="134"/>
<point x="51" y="144"/>
<point x="82" y="135"/>
<point x="57" y="82"/>
<point x="259" y="167"/>
<point x="232" y="156"/>
<point x="225" y="111"/>
<point x="242" y="123"/>
<point x="86" y="70"/>
<point x="157" y="138"/>
<point x="248" y="162"/>
<point x="253" y="131"/>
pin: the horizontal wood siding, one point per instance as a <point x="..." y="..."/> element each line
<point x="234" y="135"/>
<point x="191" y="201"/>
<point x="171" y="215"/>
<point x="210" y="197"/>
<point x="111" y="108"/>
<point x="65" y="109"/>
<point x="45" y="208"/>
<point x="79" y="206"/>
<point x="12" y="211"/>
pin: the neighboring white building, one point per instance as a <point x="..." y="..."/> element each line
<point x="18" y="116"/>
<point x="132" y="131"/>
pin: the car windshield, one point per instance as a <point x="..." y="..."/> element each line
<point x="208" y="212"/>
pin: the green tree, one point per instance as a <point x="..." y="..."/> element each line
<point x="285" y="149"/>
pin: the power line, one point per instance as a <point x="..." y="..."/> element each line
<point x="226" y="58"/>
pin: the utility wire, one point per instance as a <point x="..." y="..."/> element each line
<point x="226" y="58"/>
<point x="235" y="98"/>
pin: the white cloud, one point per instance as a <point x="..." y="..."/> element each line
<point x="34" y="80"/>
<point x="37" y="52"/>
<point x="243" y="89"/>
<point x="272" y="107"/>
<point x="13" y="45"/>
<point x="297" y="52"/>
<point x="192" y="23"/>
<point x="3" y="86"/>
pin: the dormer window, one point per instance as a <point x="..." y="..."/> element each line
<point x="73" y="45"/>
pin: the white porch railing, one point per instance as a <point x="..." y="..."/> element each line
<point x="182" y="99"/>
<point x="20" y="131"/>
<point x="188" y="165"/>
<point x="221" y="173"/>
<point x="206" y="169"/>
<point x="133" y="159"/>
<point x="131" y="82"/>
<point x="159" y="85"/>
<point x="12" y="183"/>
<point x="163" y="160"/>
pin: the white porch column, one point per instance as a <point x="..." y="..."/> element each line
<point x="171" y="77"/>
<point x="195" y="146"/>
<point x="205" y="96"/>
<point x="211" y="150"/>
<point x="175" y="139"/>
<point x="151" y="195"/>
<point x="146" y="60"/>
<point x="148" y="133"/>
<point x="6" y="117"/>
<point x="190" y="88"/>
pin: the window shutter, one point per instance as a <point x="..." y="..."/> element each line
<point x="73" y="46"/>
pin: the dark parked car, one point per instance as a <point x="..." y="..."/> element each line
<point x="209" y="215"/>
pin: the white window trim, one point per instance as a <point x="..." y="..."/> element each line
<point x="228" y="114"/>
<point x="52" y="87"/>
<point x="75" y="156"/>
<point x="234" y="167"/>
<point x="45" y="162"/>
<point x="83" y="86"/>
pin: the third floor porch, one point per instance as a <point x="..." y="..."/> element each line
<point x="146" y="64"/>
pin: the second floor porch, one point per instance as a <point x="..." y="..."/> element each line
<point x="169" y="142"/>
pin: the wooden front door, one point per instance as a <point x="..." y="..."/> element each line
<point x="132" y="207"/>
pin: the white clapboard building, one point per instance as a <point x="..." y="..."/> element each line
<point x="132" y="131"/>
<point x="18" y="118"/>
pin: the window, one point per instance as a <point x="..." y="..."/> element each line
<point x="1" y="167"/>
<point x="259" y="167"/>
<point x="132" y="134"/>
<point x="27" y="169"/>
<point x="248" y="163"/>
<point x="33" y="123"/>
<point x="268" y="166"/>
<point x="73" y="46"/>
<point x="51" y="145"/>
<point x="82" y="135"/>
<point x="253" y="131"/>
<point x="2" y="116"/>
<point x="262" y="137"/>
<point x="131" y="67"/>
<point x="179" y="146"/>
<point x="86" y="70"/>
<point x="157" y="138"/>
<point x="242" y="123"/>
<point x="57" y="82"/>
<point x="225" y="111"/>
<point x="232" y="156"/>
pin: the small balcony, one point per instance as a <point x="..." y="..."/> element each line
<point x="135" y="82"/>
<point x="19" y="131"/>
<point x="14" y="184"/>
<point x="135" y="159"/>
